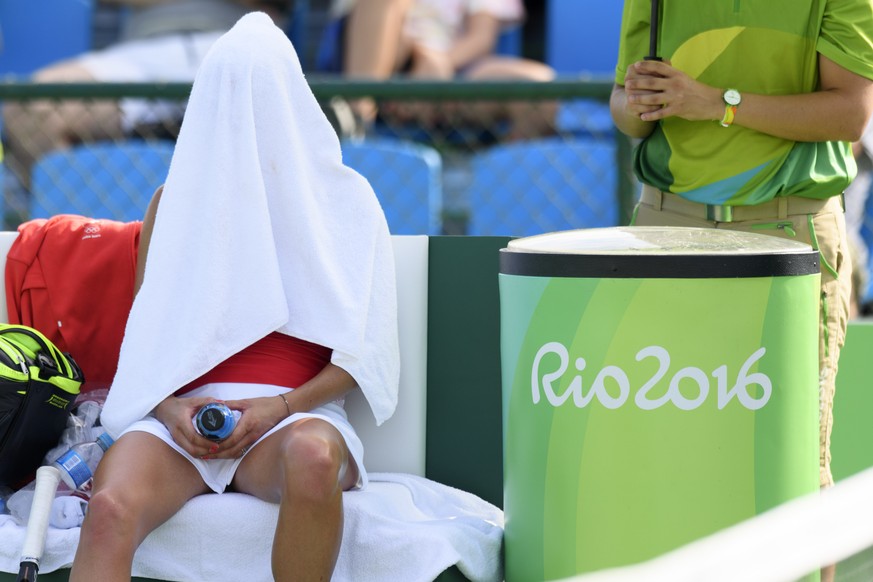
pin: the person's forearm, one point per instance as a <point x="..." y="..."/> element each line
<point x="837" y="111"/>
<point x="477" y="41"/>
<point x="329" y="384"/>
<point x="819" y="116"/>
<point x="811" y="117"/>
<point x="145" y="238"/>
<point x="627" y="122"/>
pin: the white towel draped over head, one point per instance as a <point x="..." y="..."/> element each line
<point x="260" y="228"/>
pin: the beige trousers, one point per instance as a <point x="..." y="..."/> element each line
<point x="820" y="224"/>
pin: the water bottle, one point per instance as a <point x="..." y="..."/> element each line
<point x="77" y="465"/>
<point x="216" y="421"/>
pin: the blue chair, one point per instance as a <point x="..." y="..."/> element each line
<point x="539" y="186"/>
<point x="329" y="53"/>
<point x="297" y="27"/>
<point x="35" y="34"/>
<point x="582" y="36"/>
<point x="113" y="180"/>
<point x="407" y="180"/>
<point x="585" y="118"/>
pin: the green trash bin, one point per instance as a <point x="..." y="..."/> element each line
<point x="659" y="384"/>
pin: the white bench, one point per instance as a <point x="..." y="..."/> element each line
<point x="384" y="525"/>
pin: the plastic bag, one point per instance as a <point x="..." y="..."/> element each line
<point x="83" y="425"/>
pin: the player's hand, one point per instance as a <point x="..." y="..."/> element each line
<point x="657" y="90"/>
<point x="177" y="415"/>
<point x="259" y="415"/>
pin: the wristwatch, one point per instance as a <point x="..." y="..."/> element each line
<point x="732" y="100"/>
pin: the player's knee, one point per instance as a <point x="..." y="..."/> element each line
<point x="313" y="462"/>
<point x="109" y="515"/>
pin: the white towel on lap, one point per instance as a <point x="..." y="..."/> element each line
<point x="260" y="228"/>
<point x="401" y="527"/>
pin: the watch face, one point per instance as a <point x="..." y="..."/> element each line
<point x="732" y="97"/>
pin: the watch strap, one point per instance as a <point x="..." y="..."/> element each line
<point x="729" y="112"/>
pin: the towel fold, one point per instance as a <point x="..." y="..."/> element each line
<point x="411" y="528"/>
<point x="401" y="527"/>
<point x="260" y="228"/>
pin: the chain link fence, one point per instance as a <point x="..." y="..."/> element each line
<point x="495" y="158"/>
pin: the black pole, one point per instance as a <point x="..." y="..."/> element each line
<point x="653" y="32"/>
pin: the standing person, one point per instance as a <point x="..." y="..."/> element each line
<point x="735" y="137"/>
<point x="265" y="280"/>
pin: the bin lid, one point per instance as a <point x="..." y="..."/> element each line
<point x="657" y="251"/>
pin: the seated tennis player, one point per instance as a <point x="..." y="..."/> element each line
<point x="265" y="280"/>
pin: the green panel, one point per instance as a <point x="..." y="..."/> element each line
<point x="853" y="404"/>
<point x="464" y="419"/>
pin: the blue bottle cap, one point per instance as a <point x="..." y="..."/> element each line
<point x="215" y="421"/>
<point x="105" y="441"/>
